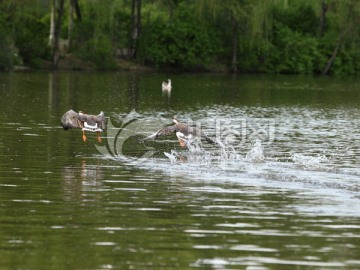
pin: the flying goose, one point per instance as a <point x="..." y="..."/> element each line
<point x="87" y="122"/>
<point x="183" y="132"/>
<point x="166" y="86"/>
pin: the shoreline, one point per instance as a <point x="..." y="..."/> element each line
<point x="74" y="63"/>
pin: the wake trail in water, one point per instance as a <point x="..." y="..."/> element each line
<point x="257" y="163"/>
<point x="224" y="153"/>
<point x="300" y="172"/>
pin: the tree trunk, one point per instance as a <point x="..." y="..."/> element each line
<point x="171" y="9"/>
<point x="135" y="27"/>
<point x="52" y="24"/>
<point x="56" y="52"/>
<point x="336" y="50"/>
<point x="77" y="9"/>
<point x="71" y="24"/>
<point x="322" y="18"/>
<point x="234" y="46"/>
<point x="332" y="58"/>
<point x="73" y="6"/>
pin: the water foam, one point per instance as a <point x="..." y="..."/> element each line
<point x="256" y="153"/>
<point x="309" y="162"/>
<point x="224" y="153"/>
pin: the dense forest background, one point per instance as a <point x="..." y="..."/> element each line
<point x="268" y="36"/>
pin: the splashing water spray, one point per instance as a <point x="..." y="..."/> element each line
<point x="256" y="153"/>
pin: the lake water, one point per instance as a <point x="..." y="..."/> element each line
<point x="280" y="190"/>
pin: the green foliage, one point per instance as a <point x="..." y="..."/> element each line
<point x="31" y="47"/>
<point x="9" y="55"/>
<point x="99" y="51"/>
<point x="104" y="29"/>
<point x="272" y="36"/>
<point x="184" y="43"/>
<point x="299" y="18"/>
<point x="180" y="45"/>
<point x="120" y="28"/>
<point x="347" y="62"/>
<point x="292" y="52"/>
<point x="23" y="35"/>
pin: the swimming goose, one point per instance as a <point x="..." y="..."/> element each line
<point x="166" y="86"/>
<point x="183" y="132"/>
<point x="87" y="122"/>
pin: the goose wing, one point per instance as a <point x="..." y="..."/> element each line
<point x="207" y="138"/>
<point x="92" y="120"/>
<point x="198" y="132"/>
<point x="165" y="131"/>
<point x="100" y="120"/>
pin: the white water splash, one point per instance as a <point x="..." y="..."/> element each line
<point x="227" y="152"/>
<point x="173" y="156"/>
<point x="256" y="153"/>
<point x="309" y="162"/>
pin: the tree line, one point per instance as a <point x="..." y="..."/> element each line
<point x="267" y="36"/>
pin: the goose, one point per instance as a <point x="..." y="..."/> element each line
<point x="183" y="133"/>
<point x="87" y="122"/>
<point x="166" y="86"/>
